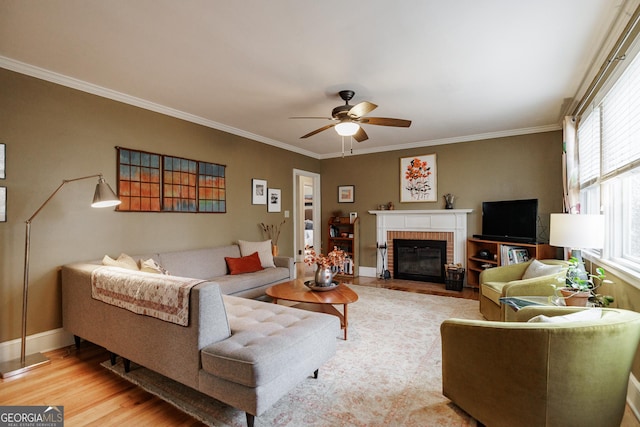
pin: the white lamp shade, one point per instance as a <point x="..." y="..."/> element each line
<point x="347" y="128"/>
<point x="577" y="231"/>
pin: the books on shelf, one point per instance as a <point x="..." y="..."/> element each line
<point x="513" y="255"/>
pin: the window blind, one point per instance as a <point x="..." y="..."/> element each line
<point x="589" y="147"/>
<point x="621" y="122"/>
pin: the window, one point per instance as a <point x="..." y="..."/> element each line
<point x="609" y="167"/>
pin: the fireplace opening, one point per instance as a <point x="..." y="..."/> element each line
<point x="421" y="260"/>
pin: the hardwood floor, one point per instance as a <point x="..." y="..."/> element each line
<point x="90" y="394"/>
<point x="93" y="396"/>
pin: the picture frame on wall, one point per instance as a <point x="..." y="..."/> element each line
<point x="258" y="192"/>
<point x="418" y="179"/>
<point x="274" y="203"/>
<point x="3" y="204"/>
<point x="346" y="193"/>
<point x="3" y="152"/>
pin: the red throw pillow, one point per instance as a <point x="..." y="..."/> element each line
<point x="245" y="264"/>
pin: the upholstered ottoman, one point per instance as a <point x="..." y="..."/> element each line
<point x="271" y="349"/>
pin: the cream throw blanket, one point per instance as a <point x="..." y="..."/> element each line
<point x="161" y="296"/>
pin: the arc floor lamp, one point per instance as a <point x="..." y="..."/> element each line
<point x="103" y="197"/>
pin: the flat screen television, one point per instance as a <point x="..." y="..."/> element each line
<point x="510" y="220"/>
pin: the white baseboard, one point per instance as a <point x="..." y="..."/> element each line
<point x="368" y="271"/>
<point x="633" y="395"/>
<point x="37" y="343"/>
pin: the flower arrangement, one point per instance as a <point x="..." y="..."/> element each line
<point x="272" y="231"/>
<point x="335" y="258"/>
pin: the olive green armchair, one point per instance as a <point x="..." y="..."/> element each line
<point x="541" y="374"/>
<point x="507" y="281"/>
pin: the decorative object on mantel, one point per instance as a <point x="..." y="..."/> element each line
<point x="272" y="231"/>
<point x="103" y="197"/>
<point x="448" y="200"/>
<point x="390" y="206"/>
<point x="327" y="266"/>
<point x="418" y="179"/>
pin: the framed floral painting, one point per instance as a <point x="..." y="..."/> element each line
<point x="418" y="181"/>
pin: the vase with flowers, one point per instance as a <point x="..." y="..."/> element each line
<point x="327" y="266"/>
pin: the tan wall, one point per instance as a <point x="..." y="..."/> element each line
<point x="518" y="167"/>
<point x="54" y="133"/>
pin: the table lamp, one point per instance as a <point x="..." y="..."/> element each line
<point x="577" y="232"/>
<point x="102" y="198"/>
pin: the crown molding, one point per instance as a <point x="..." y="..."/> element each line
<point x="53" y="77"/>
<point x="453" y="140"/>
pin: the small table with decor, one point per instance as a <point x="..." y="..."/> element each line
<point x="516" y="303"/>
<point x="319" y="301"/>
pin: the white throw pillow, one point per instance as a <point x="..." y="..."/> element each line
<point x="123" y="261"/>
<point x="578" y="316"/>
<point x="263" y="249"/>
<point x="151" y="266"/>
<point x="539" y="269"/>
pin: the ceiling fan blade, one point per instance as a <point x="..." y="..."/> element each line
<point x="362" y="109"/>
<point x="361" y="135"/>
<point x="323" y="118"/>
<point x="318" y="130"/>
<point x="385" y="121"/>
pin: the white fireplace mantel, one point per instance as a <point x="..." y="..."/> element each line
<point x="436" y="220"/>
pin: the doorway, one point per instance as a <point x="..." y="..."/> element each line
<point x="306" y="213"/>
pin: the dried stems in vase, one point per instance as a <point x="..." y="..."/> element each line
<point x="272" y="231"/>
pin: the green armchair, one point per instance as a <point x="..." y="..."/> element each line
<point x="541" y="374"/>
<point x="507" y="281"/>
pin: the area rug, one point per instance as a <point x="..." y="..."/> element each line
<point x="388" y="373"/>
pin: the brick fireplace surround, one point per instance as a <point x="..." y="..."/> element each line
<point x="442" y="224"/>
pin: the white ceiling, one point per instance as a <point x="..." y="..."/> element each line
<point x="459" y="69"/>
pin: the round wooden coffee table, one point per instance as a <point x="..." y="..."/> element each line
<point x="320" y="301"/>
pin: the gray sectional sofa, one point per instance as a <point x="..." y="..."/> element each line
<point x="243" y="352"/>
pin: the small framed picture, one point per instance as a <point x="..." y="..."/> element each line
<point x="274" y="203"/>
<point x="258" y="192"/>
<point x="3" y="149"/>
<point x="352" y="217"/>
<point x="346" y="193"/>
<point x="520" y="255"/>
<point x="3" y="204"/>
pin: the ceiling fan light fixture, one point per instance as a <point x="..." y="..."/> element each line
<point x="347" y="128"/>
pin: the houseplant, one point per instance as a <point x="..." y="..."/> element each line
<point x="327" y="265"/>
<point x="581" y="287"/>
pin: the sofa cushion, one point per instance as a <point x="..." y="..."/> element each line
<point x="538" y="269"/>
<point x="493" y="290"/>
<point x="245" y="264"/>
<point x="123" y="261"/>
<point x="199" y="263"/>
<point x="578" y="316"/>
<point x="263" y="249"/>
<point x="230" y="285"/>
<point x="151" y="266"/>
<point x="265" y="340"/>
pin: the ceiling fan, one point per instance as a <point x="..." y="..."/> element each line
<point x="350" y="117"/>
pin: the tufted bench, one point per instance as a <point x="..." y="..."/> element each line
<point x="271" y="348"/>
